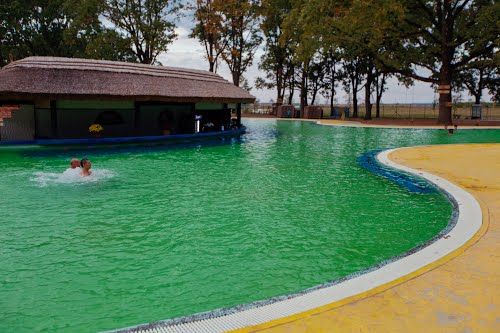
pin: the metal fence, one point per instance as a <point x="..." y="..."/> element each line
<point x="397" y="111"/>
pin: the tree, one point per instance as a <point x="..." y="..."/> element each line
<point x="240" y="34"/>
<point x="49" y="28"/>
<point x="353" y="77"/>
<point x="108" y="44"/>
<point x="380" y="88"/>
<point x="315" y="76"/>
<point x="149" y="24"/>
<point x="305" y="48"/>
<point x="208" y="30"/>
<point x="290" y="78"/>
<point x="493" y="85"/>
<point x="479" y="75"/>
<point x="275" y="62"/>
<point x="332" y="74"/>
<point x="439" y="39"/>
<point x="430" y="41"/>
<point x="245" y="84"/>
<point x="60" y="28"/>
<point x="14" y="15"/>
<point x="302" y="81"/>
<point x="360" y="31"/>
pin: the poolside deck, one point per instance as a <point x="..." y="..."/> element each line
<point x="458" y="293"/>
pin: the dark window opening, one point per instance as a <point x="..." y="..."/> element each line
<point x="165" y="123"/>
<point x="109" y="118"/>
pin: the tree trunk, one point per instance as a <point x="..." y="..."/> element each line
<point x="445" y="72"/>
<point x="211" y="58"/>
<point x="380" y="92"/>
<point x="354" y="85"/>
<point x="355" y="104"/>
<point x="444" y="117"/>
<point x="368" y="104"/>
<point x="479" y="91"/>
<point x="279" y="85"/>
<point x="445" y="99"/>
<point x="236" y="78"/>
<point x="477" y="98"/>
<point x="291" y="85"/>
<point x="332" y="96"/>
<point x="377" y="105"/>
<point x="314" y="94"/>
<point x="368" y="88"/>
<point x="303" y="90"/>
<point x="378" y="96"/>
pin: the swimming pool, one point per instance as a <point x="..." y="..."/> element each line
<point x="170" y="232"/>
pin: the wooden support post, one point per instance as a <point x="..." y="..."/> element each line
<point x="53" y="119"/>
<point x="226" y="116"/>
<point x="136" y="118"/>
<point x="238" y="115"/>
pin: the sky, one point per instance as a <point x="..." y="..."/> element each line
<point x="188" y="52"/>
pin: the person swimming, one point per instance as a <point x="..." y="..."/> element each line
<point x="74" y="168"/>
<point x="75" y="163"/>
<point x="85" y="165"/>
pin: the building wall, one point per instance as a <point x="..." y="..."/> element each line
<point x="209" y="106"/>
<point x="155" y="119"/>
<point x="43" y="123"/>
<point x="215" y="114"/>
<point x="75" y="123"/>
<point x="72" y="119"/>
<point x="21" y="126"/>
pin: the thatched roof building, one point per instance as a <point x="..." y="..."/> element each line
<point x="46" y="98"/>
<point x="82" y="78"/>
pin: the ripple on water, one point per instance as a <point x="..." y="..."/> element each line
<point x="159" y="233"/>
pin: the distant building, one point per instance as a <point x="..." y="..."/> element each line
<point x="45" y="98"/>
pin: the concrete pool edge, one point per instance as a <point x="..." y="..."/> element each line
<point x="358" y="124"/>
<point x="278" y="310"/>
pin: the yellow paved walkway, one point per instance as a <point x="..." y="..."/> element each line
<point x="459" y="293"/>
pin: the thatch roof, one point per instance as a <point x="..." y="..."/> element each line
<point x="83" y="78"/>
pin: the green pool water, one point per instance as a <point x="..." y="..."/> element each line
<point x="163" y="233"/>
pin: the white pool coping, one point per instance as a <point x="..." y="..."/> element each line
<point x="468" y="223"/>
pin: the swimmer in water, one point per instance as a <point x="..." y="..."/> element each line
<point x="75" y="163"/>
<point x="85" y="165"/>
<point x="74" y="168"/>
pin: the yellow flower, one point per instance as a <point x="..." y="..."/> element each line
<point x="95" y="128"/>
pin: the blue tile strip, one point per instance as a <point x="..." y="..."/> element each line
<point x="413" y="184"/>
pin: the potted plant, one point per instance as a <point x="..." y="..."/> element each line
<point x="96" y="130"/>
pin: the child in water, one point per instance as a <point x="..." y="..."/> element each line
<point x="75" y="163"/>
<point x="74" y="168"/>
<point x="85" y="165"/>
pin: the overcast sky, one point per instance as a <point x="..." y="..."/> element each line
<point x="188" y="52"/>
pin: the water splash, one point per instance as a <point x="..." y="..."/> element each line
<point x="71" y="176"/>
